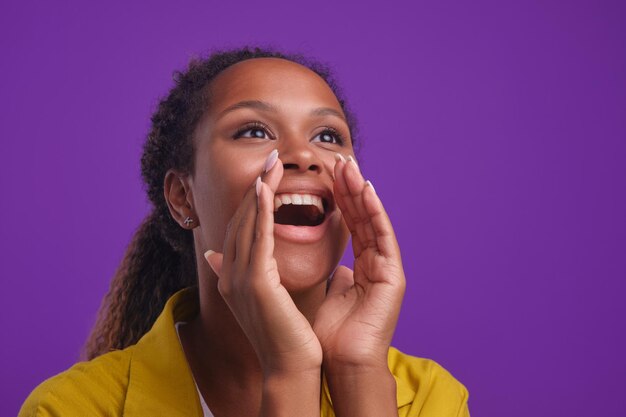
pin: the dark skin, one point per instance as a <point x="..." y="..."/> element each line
<point x="267" y="328"/>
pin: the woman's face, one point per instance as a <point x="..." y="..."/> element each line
<point x="257" y="106"/>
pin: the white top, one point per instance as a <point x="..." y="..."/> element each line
<point x="205" y="408"/>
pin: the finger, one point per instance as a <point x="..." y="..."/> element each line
<point x="356" y="184"/>
<point x="245" y="228"/>
<point x="263" y="242"/>
<point x="345" y="204"/>
<point x="273" y="176"/>
<point x="341" y="282"/>
<point x="385" y="236"/>
<point x="215" y="260"/>
<point x="230" y="239"/>
<point x="263" y="246"/>
<point x="341" y="190"/>
<point x="241" y="228"/>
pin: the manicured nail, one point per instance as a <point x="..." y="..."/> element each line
<point x="339" y="157"/>
<point x="258" y="186"/>
<point x="369" y="184"/>
<point x="351" y="159"/>
<point x="271" y="160"/>
<point x="207" y="254"/>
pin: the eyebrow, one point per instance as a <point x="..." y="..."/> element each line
<point x="268" y="108"/>
<point x="327" y="111"/>
<point x="249" y="104"/>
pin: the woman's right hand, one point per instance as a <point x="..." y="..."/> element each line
<point x="249" y="282"/>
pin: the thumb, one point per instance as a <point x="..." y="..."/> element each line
<point x="341" y="282"/>
<point x="214" y="259"/>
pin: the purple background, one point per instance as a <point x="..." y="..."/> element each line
<point x="495" y="134"/>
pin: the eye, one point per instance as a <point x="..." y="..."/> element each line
<point x="253" y="131"/>
<point x="329" y="135"/>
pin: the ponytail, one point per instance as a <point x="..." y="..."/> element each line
<point x="149" y="274"/>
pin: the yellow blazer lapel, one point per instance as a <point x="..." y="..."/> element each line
<point x="160" y="380"/>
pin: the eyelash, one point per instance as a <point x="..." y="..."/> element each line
<point x="335" y="132"/>
<point x="260" y="126"/>
<point x="253" y="126"/>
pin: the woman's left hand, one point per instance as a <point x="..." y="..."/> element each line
<point x="356" y="322"/>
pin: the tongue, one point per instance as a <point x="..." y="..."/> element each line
<point x="305" y="215"/>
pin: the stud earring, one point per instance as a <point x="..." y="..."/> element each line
<point x="188" y="221"/>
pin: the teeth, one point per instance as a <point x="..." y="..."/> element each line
<point x="298" y="200"/>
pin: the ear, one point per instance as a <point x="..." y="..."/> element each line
<point x="179" y="198"/>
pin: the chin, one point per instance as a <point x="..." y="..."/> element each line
<point x="302" y="269"/>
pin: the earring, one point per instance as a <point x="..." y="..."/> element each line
<point x="188" y="221"/>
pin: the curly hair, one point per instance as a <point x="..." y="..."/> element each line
<point x="160" y="258"/>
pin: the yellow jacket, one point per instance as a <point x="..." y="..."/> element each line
<point x="153" y="378"/>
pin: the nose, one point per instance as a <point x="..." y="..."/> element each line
<point x="299" y="155"/>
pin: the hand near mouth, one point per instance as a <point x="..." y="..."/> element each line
<point x="356" y="322"/>
<point x="286" y="346"/>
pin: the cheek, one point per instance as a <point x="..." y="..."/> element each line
<point x="220" y="189"/>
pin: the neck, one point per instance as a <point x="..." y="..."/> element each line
<point x="217" y="343"/>
<point x="222" y="360"/>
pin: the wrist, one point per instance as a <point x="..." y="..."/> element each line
<point x="307" y="360"/>
<point x="362" y="391"/>
<point x="282" y="368"/>
<point x="291" y="393"/>
<point x="357" y="372"/>
<point x="363" y="363"/>
<point x="278" y="377"/>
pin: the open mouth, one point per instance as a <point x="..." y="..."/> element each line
<point x="300" y="209"/>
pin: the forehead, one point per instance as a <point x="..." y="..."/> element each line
<point x="270" y="79"/>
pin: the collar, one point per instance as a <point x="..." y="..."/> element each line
<point x="160" y="380"/>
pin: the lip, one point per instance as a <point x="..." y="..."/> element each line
<point x="306" y="234"/>
<point x="301" y="234"/>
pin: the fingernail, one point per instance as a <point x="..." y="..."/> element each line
<point x="258" y="186"/>
<point x="369" y="184"/>
<point x="339" y="157"/>
<point x="271" y="160"/>
<point x="351" y="159"/>
<point x="207" y="254"/>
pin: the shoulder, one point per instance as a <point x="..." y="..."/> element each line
<point x="425" y="388"/>
<point x="96" y="387"/>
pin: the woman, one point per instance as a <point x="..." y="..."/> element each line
<point x="250" y="168"/>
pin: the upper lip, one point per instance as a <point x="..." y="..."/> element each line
<point x="308" y="187"/>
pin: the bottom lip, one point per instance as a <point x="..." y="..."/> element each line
<point x="301" y="234"/>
